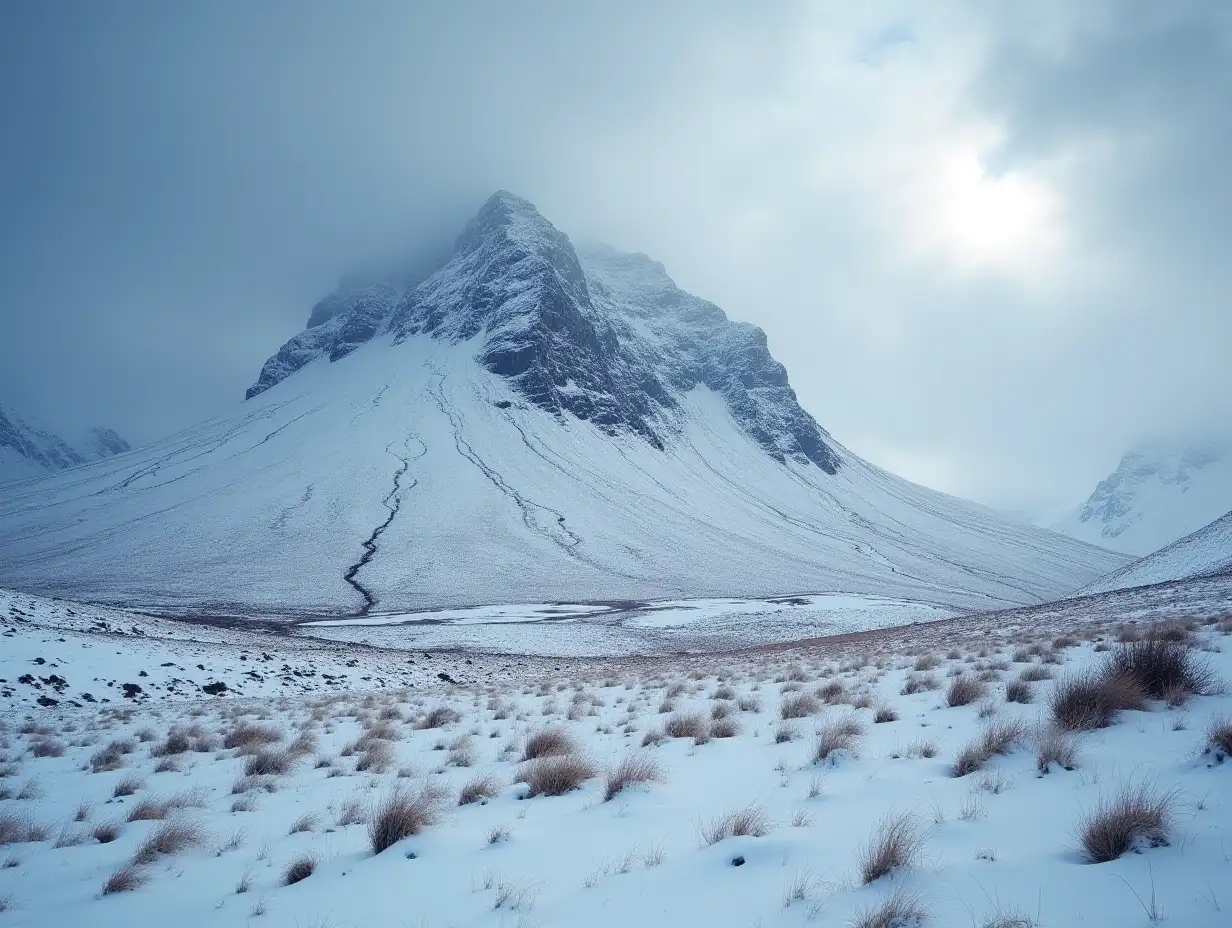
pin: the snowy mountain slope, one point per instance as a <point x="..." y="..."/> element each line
<point x="523" y="425"/>
<point x="1158" y="493"/>
<point x="29" y="448"/>
<point x="1204" y="553"/>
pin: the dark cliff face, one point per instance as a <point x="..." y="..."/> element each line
<point x="606" y="337"/>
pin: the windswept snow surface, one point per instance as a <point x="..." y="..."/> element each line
<point x="628" y="628"/>
<point x="1207" y="552"/>
<point x="268" y="509"/>
<point x="1000" y="843"/>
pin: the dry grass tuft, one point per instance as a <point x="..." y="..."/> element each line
<point x="1089" y="700"/>
<point x="269" y="762"/>
<point x="439" y="717"/>
<point x="126" y="879"/>
<point x="1135" y="818"/>
<point x="126" y="786"/>
<point x="251" y="738"/>
<point x="996" y="738"/>
<point x="1162" y="666"/>
<point x="555" y="776"/>
<point x="403" y="813"/>
<point x="1219" y="738"/>
<point x="751" y="821"/>
<point x="107" y="832"/>
<point x="903" y="908"/>
<point x="964" y="690"/>
<point x="895" y="844"/>
<point x="798" y="706"/>
<point x="724" y="728"/>
<point x="687" y="725"/>
<point x="635" y="768"/>
<point x="173" y="836"/>
<point x="549" y="742"/>
<point x="837" y="736"/>
<point x="1056" y="747"/>
<point x="479" y="789"/>
<point x="299" y="869"/>
<point x="1018" y="691"/>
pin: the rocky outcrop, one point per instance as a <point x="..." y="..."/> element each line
<point x="603" y="336"/>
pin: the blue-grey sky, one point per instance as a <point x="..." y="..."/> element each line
<point x="989" y="241"/>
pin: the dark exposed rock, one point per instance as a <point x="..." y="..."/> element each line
<point x="605" y="337"/>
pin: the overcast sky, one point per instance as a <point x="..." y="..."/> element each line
<point x="992" y="244"/>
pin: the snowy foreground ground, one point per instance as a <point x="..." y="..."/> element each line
<point x="199" y="810"/>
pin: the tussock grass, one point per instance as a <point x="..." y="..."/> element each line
<point x="107" y="832"/>
<point x="126" y="786"/>
<point x="250" y="738"/>
<point x="1089" y="700"/>
<point x="1137" y="816"/>
<point x="126" y="879"/>
<point x="751" y="821"/>
<point x="1162" y="666"/>
<point x="555" y="776"/>
<point x="269" y="762"/>
<point x="479" y="789"/>
<point x="635" y="768"/>
<point x="1055" y="747"/>
<point x="1018" y="691"/>
<point x="439" y="717"/>
<point x="687" y="725"/>
<point x="403" y="813"/>
<point x="20" y="828"/>
<point x="549" y="742"/>
<point x="299" y="869"/>
<point x="903" y="908"/>
<point x="837" y="736"/>
<point x="964" y="690"/>
<point x="895" y="844"/>
<point x="1219" y="738"/>
<point x="798" y="706"/>
<point x="171" y="837"/>
<point x="996" y="738"/>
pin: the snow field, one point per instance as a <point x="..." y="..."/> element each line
<point x="736" y="821"/>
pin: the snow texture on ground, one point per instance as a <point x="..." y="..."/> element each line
<point x="999" y="842"/>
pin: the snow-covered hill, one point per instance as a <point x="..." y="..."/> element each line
<point x="29" y="448"/>
<point x="1159" y="492"/>
<point x="525" y="424"/>
<point x="1204" y="553"/>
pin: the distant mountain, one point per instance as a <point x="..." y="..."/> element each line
<point x="29" y="448"/>
<point x="1204" y="553"/>
<point x="528" y="422"/>
<point x="1158" y="494"/>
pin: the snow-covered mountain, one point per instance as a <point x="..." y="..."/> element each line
<point x="1160" y="492"/>
<point x="526" y="423"/>
<point x="29" y="448"/>
<point x="1204" y="553"/>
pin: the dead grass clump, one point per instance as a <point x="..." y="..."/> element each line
<point x="251" y="738"/>
<point x="724" y="728"/>
<point x="403" y="813"/>
<point x="183" y="739"/>
<point x="919" y="683"/>
<point x="1162" y="667"/>
<point x="377" y="757"/>
<point x="549" y="742"/>
<point x="309" y="821"/>
<point x="107" y="832"/>
<point x="126" y="879"/>
<point x="47" y="747"/>
<point x="1219" y="739"/>
<point x="555" y="776"/>
<point x="834" y="737"/>
<point x="478" y="790"/>
<point x="173" y="836"/>
<point x="903" y="908"/>
<point x="148" y="810"/>
<point x="351" y="812"/>
<point x="1090" y="700"/>
<point x="439" y="717"/>
<point x="1136" y="817"/>
<point x="964" y="690"/>
<point x="996" y="738"/>
<point x="1018" y="691"/>
<point x="751" y="821"/>
<point x="785" y="733"/>
<point x="686" y="725"/>
<point x="884" y="714"/>
<point x="1035" y="673"/>
<point x="895" y="844"/>
<point x="1056" y="747"/>
<point x="19" y="829"/>
<point x="635" y="768"/>
<point x="798" y="706"/>
<point x="126" y="786"/>
<point x="111" y="757"/>
<point x="269" y="762"/>
<point x="299" y="869"/>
